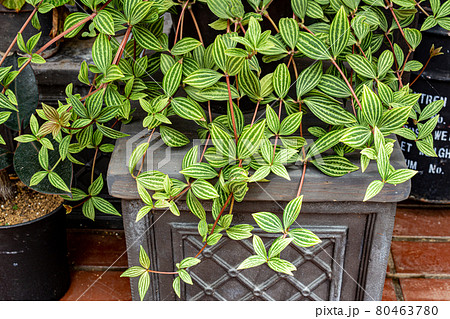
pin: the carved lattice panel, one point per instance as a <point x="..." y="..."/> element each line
<point x="318" y="276"/>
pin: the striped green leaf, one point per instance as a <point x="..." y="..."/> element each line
<point x="394" y="119"/>
<point x="250" y="140"/>
<point x="104" y="206"/>
<point x="299" y="8"/>
<point x="372" y="109"/>
<point x="253" y="32"/>
<point x="111" y="133"/>
<point x="176" y="286"/>
<point x="400" y="176"/>
<point x="291" y="123"/>
<point x="333" y="86"/>
<point x="281" y="80"/>
<point x="144" y="195"/>
<point x="188" y="109"/>
<point x="427" y="128"/>
<point x="143" y="284"/>
<point x="413" y="37"/>
<point x="399" y="55"/>
<point x="260" y="174"/>
<point x="172" y="79"/>
<point x="172" y="137"/>
<point x="203" y="78"/>
<point x="273" y="123"/>
<point x="281" y="265"/>
<point x="134" y="271"/>
<point x="184" y="46"/>
<point x="194" y="205"/>
<point x="136" y="155"/>
<point x="328" y="111"/>
<point x="291" y="211"/>
<point x="200" y="170"/>
<point x="249" y="83"/>
<point x="360" y="26"/>
<point x="426" y="146"/>
<point x="289" y="31"/>
<point x="146" y="39"/>
<point x="104" y="22"/>
<point x="96" y="187"/>
<point x="73" y="19"/>
<point x="269" y="222"/>
<point x="356" y="136"/>
<point x="223" y="141"/>
<point x="406" y="133"/>
<point x="361" y="65"/>
<point x="218" y="53"/>
<point x="373" y="189"/>
<point x="238" y="118"/>
<point x="102" y="52"/>
<point x="218" y="92"/>
<point x="38" y="177"/>
<point x="309" y="78"/>
<point x="279" y="170"/>
<point x="431" y="109"/>
<point x="334" y="165"/>
<point x="88" y="209"/>
<point x="57" y="181"/>
<point x="385" y="93"/>
<point x="152" y="180"/>
<point x="303" y="237"/>
<point x="339" y="32"/>
<point x="234" y="65"/>
<point x="324" y="143"/>
<point x="278" y="246"/>
<point x="259" y="247"/>
<point x="143" y="258"/>
<point x="190" y="157"/>
<point x="239" y="232"/>
<point x="385" y="62"/>
<point x="313" y="47"/>
<point x="204" y="190"/>
<point x="220" y="8"/>
<point x="252" y="261"/>
<point x="188" y="262"/>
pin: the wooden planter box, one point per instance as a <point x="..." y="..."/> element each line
<point x="349" y="264"/>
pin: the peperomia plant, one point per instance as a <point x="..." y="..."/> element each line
<point x="350" y="79"/>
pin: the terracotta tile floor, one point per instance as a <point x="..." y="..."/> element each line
<point x="419" y="265"/>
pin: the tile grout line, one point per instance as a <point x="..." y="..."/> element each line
<point x="395" y="281"/>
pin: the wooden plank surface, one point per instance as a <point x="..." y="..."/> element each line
<point x="317" y="188"/>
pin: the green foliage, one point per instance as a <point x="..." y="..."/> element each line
<point x="355" y="109"/>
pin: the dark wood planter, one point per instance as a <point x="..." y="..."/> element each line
<point x="349" y="264"/>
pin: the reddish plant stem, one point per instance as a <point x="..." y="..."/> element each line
<point x="266" y="14"/>
<point x="59" y="36"/>
<point x="162" y="272"/>
<point x="348" y="84"/>
<point x="143" y="157"/>
<point x="122" y="45"/>
<point x="242" y="27"/>
<point x="179" y="21"/>
<point x="196" y="25"/>
<point x="302" y="179"/>
<point x="254" y="114"/>
<point x="423" y="69"/>
<point x="404" y="63"/>
<point x="231" y="107"/>
<point x="398" y="24"/>
<point x="20" y="31"/>
<point x="215" y="223"/>
<point x="93" y="164"/>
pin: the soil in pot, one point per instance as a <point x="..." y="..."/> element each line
<point x="26" y="205"/>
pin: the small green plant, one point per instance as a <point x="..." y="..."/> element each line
<point x="361" y="107"/>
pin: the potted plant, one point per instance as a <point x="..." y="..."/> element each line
<point x="359" y="108"/>
<point x="36" y="172"/>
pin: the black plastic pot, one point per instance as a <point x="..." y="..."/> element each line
<point x="33" y="259"/>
